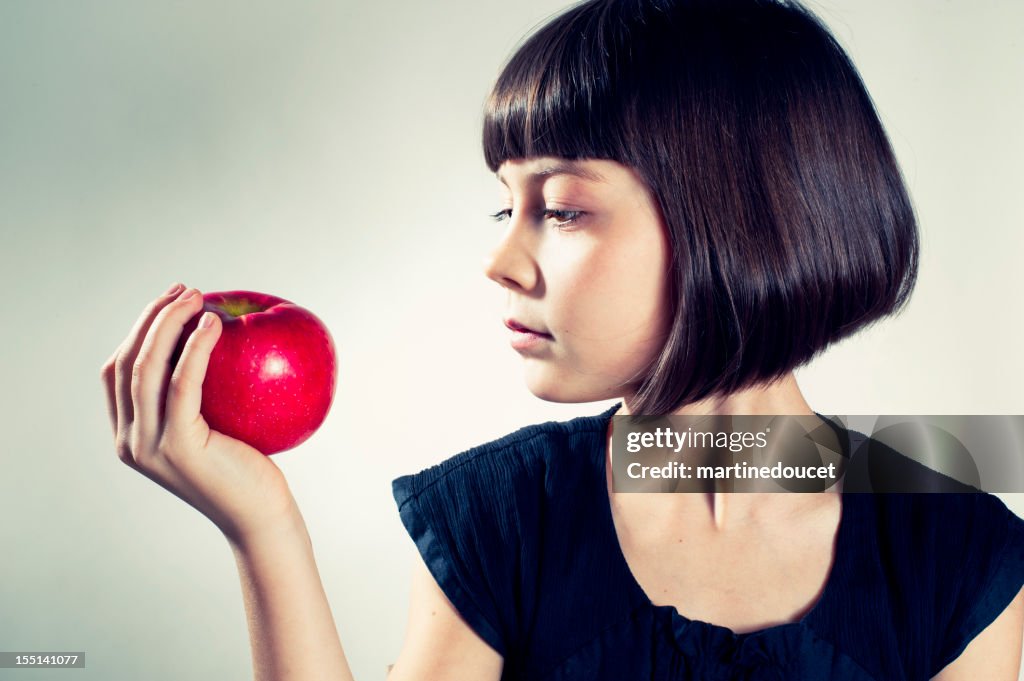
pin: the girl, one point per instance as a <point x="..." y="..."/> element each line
<point x="698" y="198"/>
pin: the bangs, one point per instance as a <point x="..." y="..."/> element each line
<point x="556" y="95"/>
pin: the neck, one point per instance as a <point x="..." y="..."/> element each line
<point x="723" y="510"/>
<point x="782" y="396"/>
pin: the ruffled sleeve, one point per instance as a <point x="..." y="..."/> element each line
<point x="986" y="570"/>
<point x="462" y="516"/>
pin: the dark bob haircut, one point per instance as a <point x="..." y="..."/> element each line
<point x="784" y="206"/>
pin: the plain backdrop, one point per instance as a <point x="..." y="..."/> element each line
<point x="329" y="153"/>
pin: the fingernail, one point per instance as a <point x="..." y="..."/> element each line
<point x="173" y="289"/>
<point x="206" y="321"/>
<point x="188" y="294"/>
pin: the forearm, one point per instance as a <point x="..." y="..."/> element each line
<point x="291" y="628"/>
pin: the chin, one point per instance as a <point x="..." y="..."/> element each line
<point x="547" y="386"/>
<point x="552" y="387"/>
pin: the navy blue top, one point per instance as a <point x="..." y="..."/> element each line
<point x="519" y="535"/>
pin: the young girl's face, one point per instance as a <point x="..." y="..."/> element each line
<point x="585" y="260"/>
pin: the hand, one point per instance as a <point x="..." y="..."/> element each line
<point x="160" y="432"/>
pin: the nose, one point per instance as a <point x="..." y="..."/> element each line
<point x="511" y="263"/>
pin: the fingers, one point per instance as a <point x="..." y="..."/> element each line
<point x="117" y="371"/>
<point x="185" y="392"/>
<point x="107" y="376"/>
<point x="151" y="366"/>
<point x="126" y="359"/>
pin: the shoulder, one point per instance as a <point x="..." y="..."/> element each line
<point x="516" y="457"/>
<point x="983" y="568"/>
<point x="952" y="519"/>
<point x="937" y="527"/>
<point x="957" y="560"/>
<point x="477" y="517"/>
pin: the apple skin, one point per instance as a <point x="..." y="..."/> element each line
<point x="271" y="376"/>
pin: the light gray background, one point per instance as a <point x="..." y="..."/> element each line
<point x="329" y="153"/>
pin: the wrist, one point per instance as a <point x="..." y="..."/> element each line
<point x="288" y="528"/>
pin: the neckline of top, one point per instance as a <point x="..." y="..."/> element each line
<point x="682" y="623"/>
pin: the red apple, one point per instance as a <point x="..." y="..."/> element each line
<point x="272" y="374"/>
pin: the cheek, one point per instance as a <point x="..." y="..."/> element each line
<point x="613" y="312"/>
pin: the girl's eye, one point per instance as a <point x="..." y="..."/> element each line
<point x="563" y="218"/>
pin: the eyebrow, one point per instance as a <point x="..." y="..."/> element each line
<point x="565" y="168"/>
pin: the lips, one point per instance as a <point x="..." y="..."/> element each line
<point x="522" y="328"/>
